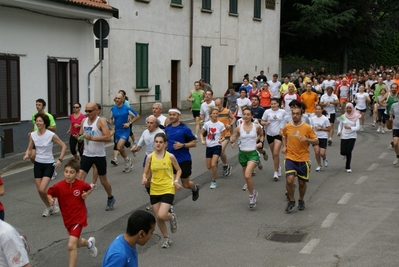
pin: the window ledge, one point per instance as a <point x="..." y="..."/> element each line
<point x="206" y="10"/>
<point x="257" y="19"/>
<point x="233" y="14"/>
<point x="176" y="5"/>
<point x="142" y="89"/>
<point x="144" y="1"/>
<point x="12" y="123"/>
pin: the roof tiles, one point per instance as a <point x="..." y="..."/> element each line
<point x="92" y="3"/>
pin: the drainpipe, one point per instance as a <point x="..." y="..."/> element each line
<point x="191" y="31"/>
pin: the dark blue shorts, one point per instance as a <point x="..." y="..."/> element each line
<point x="300" y="169"/>
<point x="100" y="162"/>
<point x="214" y="150"/>
<point x="41" y="170"/>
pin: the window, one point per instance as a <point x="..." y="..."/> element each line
<point x="177" y="2"/>
<point x="62" y="77"/>
<point x="257" y="9"/>
<point x="10" y="107"/>
<point x="271" y="4"/>
<point x="207" y="5"/>
<point x="206" y="64"/>
<point x="141" y="66"/>
<point x="233" y="7"/>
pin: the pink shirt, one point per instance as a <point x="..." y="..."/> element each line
<point x="78" y="120"/>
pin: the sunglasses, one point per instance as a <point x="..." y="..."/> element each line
<point x="76" y="107"/>
<point x="89" y="110"/>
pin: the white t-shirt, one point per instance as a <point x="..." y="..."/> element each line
<point x="12" y="249"/>
<point x="241" y="102"/>
<point x="329" y="98"/>
<point x="147" y="139"/>
<point x="388" y="84"/>
<point x="44" y="146"/>
<point x="204" y="110"/>
<point x="274" y="87"/>
<point x="361" y="100"/>
<point x="276" y="119"/>
<point x="162" y="120"/>
<point x="321" y="121"/>
<point x="287" y="98"/>
<point x="214" y="130"/>
<point x="327" y="83"/>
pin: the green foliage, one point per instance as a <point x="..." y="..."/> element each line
<point x="388" y="52"/>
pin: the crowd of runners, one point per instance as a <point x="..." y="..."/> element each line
<point x="284" y="119"/>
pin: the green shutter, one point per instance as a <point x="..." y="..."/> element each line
<point x="178" y="2"/>
<point x="257" y="9"/>
<point x="74" y="82"/>
<point x="207" y="4"/>
<point x="233" y="7"/>
<point x="206" y="63"/>
<point x="141" y="66"/>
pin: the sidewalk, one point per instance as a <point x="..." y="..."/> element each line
<point x="15" y="162"/>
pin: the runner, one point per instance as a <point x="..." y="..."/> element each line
<point x="74" y="128"/>
<point x="328" y="101"/>
<point x="361" y="100"/>
<point x="321" y="125"/>
<point x="196" y="96"/>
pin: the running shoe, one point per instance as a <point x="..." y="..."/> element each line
<point x="134" y="153"/>
<point x="290" y="205"/>
<point x="361" y="129"/>
<point x="301" y="205"/>
<point x="149" y="207"/>
<point x="213" y="185"/>
<point x="224" y="170"/>
<point x="279" y="171"/>
<point x="128" y="165"/>
<point x="373" y="124"/>
<point x="275" y="176"/>
<point x="245" y="187"/>
<point x="93" y="250"/>
<point x="196" y="193"/>
<point x="265" y="156"/>
<point x="172" y="209"/>
<point x="55" y="208"/>
<point x="173" y="223"/>
<point x="252" y="200"/>
<point x="396" y="161"/>
<point x="93" y="186"/>
<point x="348" y="170"/>
<point x="166" y="242"/>
<point x="47" y="212"/>
<point x="260" y="165"/>
<point x="114" y="162"/>
<point x="54" y="175"/>
<point x="228" y="172"/>
<point x="382" y="131"/>
<point x="329" y="142"/>
<point x="110" y="203"/>
<point x="325" y="162"/>
<point x="318" y="168"/>
<point x="379" y="129"/>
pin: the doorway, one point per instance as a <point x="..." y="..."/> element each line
<point x="230" y="75"/>
<point x="174" y="83"/>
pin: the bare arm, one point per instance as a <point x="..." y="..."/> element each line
<point x="63" y="149"/>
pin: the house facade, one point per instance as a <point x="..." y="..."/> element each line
<point x="46" y="51"/>
<point x="158" y="49"/>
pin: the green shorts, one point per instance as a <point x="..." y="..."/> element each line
<point x="245" y="156"/>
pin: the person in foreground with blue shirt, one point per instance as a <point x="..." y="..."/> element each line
<point x="122" y="251"/>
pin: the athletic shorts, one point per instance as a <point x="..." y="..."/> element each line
<point x="343" y="99"/>
<point x="100" y="162"/>
<point x="362" y="110"/>
<point x="167" y="198"/>
<point x="124" y="135"/>
<point x="245" y="156"/>
<point x="395" y="132"/>
<point x="270" y="139"/>
<point x="332" y="118"/>
<point x="127" y="143"/>
<point x="196" y="113"/>
<point x="300" y="169"/>
<point x="322" y="143"/>
<point x="214" y="150"/>
<point x="41" y="170"/>
<point x="145" y="158"/>
<point x="75" y="230"/>
<point x="185" y="167"/>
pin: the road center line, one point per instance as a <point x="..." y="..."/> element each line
<point x="310" y="246"/>
<point x="361" y="179"/>
<point x="373" y="166"/>
<point x="345" y="198"/>
<point x="329" y="220"/>
<point x="383" y="155"/>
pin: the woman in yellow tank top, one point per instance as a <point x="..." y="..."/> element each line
<point x="163" y="185"/>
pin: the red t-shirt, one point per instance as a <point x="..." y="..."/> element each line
<point x="78" y="120"/>
<point x="1" y="205"/>
<point x="72" y="205"/>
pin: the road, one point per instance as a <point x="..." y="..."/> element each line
<point x="349" y="220"/>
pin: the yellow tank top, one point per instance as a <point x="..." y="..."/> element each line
<point x="162" y="175"/>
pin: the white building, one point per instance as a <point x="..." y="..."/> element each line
<point x="46" y="51"/>
<point x="172" y="43"/>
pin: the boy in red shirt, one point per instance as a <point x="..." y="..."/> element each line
<point x="71" y="194"/>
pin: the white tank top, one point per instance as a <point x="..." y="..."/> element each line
<point x="93" y="148"/>
<point x="248" y="139"/>
<point x="162" y="120"/>
<point x="44" y="146"/>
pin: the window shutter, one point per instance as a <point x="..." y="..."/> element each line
<point x="233" y="7"/>
<point x="74" y="81"/>
<point x="52" y="86"/>
<point x="10" y="107"/>
<point x="206" y="64"/>
<point x="141" y="65"/>
<point x="257" y="9"/>
<point x="3" y="90"/>
<point x="14" y="89"/>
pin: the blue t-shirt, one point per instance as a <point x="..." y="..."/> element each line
<point x="182" y="134"/>
<point x="121" y="116"/>
<point x="120" y="254"/>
